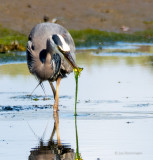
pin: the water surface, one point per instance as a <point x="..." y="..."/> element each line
<point x="115" y="107"/>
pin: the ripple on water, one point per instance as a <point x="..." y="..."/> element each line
<point x="139" y="105"/>
<point x="101" y="101"/>
<point x="121" y="54"/>
<point x="38" y="97"/>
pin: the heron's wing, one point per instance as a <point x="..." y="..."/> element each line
<point x="30" y="56"/>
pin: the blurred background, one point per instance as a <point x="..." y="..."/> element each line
<point x="108" y="15"/>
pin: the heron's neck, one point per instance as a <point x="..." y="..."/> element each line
<point x="43" y="69"/>
<point x="48" y="59"/>
<point x="43" y="61"/>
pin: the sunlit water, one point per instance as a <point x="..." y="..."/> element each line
<point x="115" y="108"/>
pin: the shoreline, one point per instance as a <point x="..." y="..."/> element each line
<point x="11" y="40"/>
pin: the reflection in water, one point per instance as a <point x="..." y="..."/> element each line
<point x="52" y="151"/>
<point x="89" y="58"/>
<point x="14" y="69"/>
<point x="55" y="150"/>
<point x="113" y="91"/>
<point x="77" y="155"/>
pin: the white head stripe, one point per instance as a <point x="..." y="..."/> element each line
<point x="64" y="46"/>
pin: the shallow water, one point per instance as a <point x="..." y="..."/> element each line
<point x="115" y="108"/>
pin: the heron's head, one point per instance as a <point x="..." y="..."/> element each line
<point x="62" y="47"/>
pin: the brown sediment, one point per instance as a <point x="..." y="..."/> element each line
<point x="109" y="15"/>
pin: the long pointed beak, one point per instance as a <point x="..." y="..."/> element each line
<point x="70" y="60"/>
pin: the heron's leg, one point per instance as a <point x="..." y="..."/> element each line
<point x="36" y="87"/>
<point x="56" y="128"/>
<point x="53" y="132"/>
<point x="56" y="122"/>
<point x="53" y="89"/>
<point x="56" y="95"/>
<point x="43" y="88"/>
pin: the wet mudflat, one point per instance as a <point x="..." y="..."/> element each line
<point x="115" y="108"/>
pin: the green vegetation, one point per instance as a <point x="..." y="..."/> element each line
<point x="77" y="154"/>
<point x="91" y="37"/>
<point x="14" y="70"/>
<point x="76" y="74"/>
<point x="12" y="40"/>
<point x="148" y="22"/>
<point x="7" y="36"/>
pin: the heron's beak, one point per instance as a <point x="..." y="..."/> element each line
<point x="70" y="60"/>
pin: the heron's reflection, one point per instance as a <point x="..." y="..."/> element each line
<point x="55" y="150"/>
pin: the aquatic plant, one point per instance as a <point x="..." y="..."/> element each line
<point x="76" y="73"/>
<point x="77" y="154"/>
<point x="11" y="40"/>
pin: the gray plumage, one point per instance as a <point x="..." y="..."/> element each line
<point x="43" y="60"/>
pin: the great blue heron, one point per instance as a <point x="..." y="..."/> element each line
<point x="50" y="55"/>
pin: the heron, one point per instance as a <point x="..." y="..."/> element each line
<point x="50" y="55"/>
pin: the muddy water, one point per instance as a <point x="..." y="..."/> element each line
<point x="115" y="108"/>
